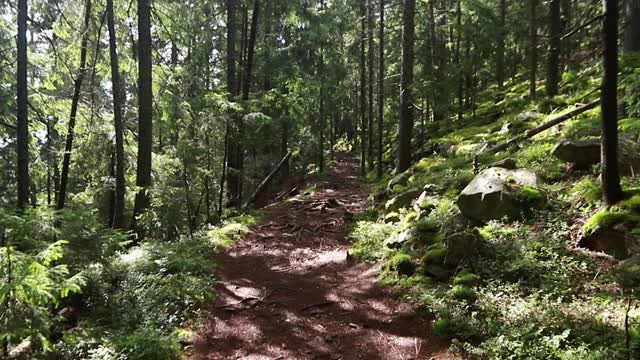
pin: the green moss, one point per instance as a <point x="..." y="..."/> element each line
<point x="402" y="263"/>
<point x="436" y="254"/>
<point x="443" y="328"/>
<point x="632" y="204"/>
<point x="548" y="105"/>
<point x="464" y="293"/>
<point x="466" y="278"/>
<point x="530" y="195"/>
<point x="607" y="218"/>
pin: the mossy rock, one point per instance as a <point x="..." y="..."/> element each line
<point x="433" y="265"/>
<point x="464" y="293"/>
<point x="614" y="230"/>
<point x="392" y="217"/>
<point x="460" y="246"/>
<point x="403" y="200"/>
<point x="628" y="272"/>
<point x="403" y="264"/>
<point x="466" y="278"/>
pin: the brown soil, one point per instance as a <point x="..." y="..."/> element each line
<point x="290" y="291"/>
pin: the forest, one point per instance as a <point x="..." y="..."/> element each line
<point x="320" y="179"/>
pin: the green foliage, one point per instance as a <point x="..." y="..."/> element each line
<point x="464" y="293"/>
<point x="466" y="278"/>
<point x="436" y="254"/>
<point x="32" y="282"/>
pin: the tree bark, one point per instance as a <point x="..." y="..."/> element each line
<point x="553" y="57"/>
<point x="381" y="64"/>
<point x="120" y="188"/>
<point x="406" y="98"/>
<point x="363" y="91"/>
<point x="66" y="160"/>
<point x="370" y="24"/>
<point x="611" y="189"/>
<point x="533" y="48"/>
<point x="501" y="44"/>
<point x="22" y="133"/>
<point x="145" y="114"/>
<point x="632" y="31"/>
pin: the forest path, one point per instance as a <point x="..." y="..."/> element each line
<point x="289" y="291"/>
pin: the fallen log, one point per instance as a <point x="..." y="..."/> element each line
<point x="546" y="126"/>
<point x="267" y="180"/>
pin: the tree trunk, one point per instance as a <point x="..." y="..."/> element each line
<point x="553" y="58"/>
<point x="66" y="160"/>
<point x="632" y="31"/>
<point x="381" y="72"/>
<point x="145" y="114"/>
<point x="611" y="189"/>
<point x="370" y="24"/>
<point x="459" y="71"/>
<point x="406" y="83"/>
<point x="501" y="44"/>
<point x="363" y="91"/>
<point x="22" y="131"/>
<point x="120" y="188"/>
<point x="232" y="89"/>
<point x="533" y="47"/>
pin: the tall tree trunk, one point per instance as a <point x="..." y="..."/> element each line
<point x="370" y="24"/>
<point x="120" y="189"/>
<point x="459" y="71"/>
<point x="533" y="47"/>
<point x="246" y="90"/>
<point x="22" y="131"/>
<point x="232" y="89"/>
<point x="145" y="114"/>
<point x="66" y="160"/>
<point x="436" y="85"/>
<point x="363" y="91"/>
<point x="501" y="44"/>
<point x="632" y="31"/>
<point x="553" y="57"/>
<point x="406" y="83"/>
<point x="381" y="64"/>
<point x="611" y="189"/>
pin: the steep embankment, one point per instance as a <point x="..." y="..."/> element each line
<point x="507" y="281"/>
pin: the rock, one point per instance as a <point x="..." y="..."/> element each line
<point x="528" y="115"/>
<point x="489" y="197"/>
<point x="460" y="246"/>
<point x="392" y="217"/>
<point x="381" y="196"/>
<point x="424" y="203"/>
<point x="400" y="179"/>
<point x="437" y="272"/>
<point x="403" y="200"/>
<point x="586" y="153"/>
<point x="508" y="163"/>
<point x="506" y="129"/>
<point x="628" y="272"/>
<point x="447" y="149"/>
<point x="618" y="242"/>
<point x="455" y="224"/>
<point x="582" y="153"/>
<point x="430" y="189"/>
<point x="396" y="241"/>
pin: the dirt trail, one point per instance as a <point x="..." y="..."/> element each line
<point x="288" y="290"/>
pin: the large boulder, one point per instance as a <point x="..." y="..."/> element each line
<point x="400" y="179"/>
<point x="493" y="194"/>
<point x="581" y="153"/>
<point x="586" y="153"/>
<point x="403" y="200"/>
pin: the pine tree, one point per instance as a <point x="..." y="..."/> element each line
<point x="406" y="98"/>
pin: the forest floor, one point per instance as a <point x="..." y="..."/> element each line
<point x="289" y="290"/>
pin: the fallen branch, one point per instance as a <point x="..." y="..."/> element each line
<point x="267" y="180"/>
<point x="546" y="126"/>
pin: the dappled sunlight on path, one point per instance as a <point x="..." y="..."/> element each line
<point x="289" y="290"/>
